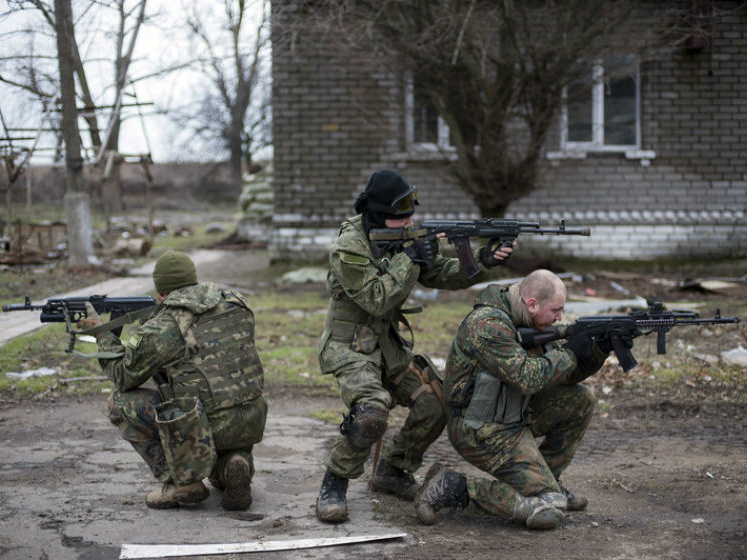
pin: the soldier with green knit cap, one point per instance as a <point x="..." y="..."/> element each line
<point x="208" y="411"/>
<point x="366" y="347"/>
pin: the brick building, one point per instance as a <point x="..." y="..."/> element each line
<point x="669" y="182"/>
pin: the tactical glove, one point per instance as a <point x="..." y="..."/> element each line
<point x="486" y="254"/>
<point x="604" y="343"/>
<point x="423" y="251"/>
<point x="580" y="346"/>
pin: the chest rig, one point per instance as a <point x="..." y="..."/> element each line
<point x="221" y="366"/>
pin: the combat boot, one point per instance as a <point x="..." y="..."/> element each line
<point x="331" y="505"/>
<point x="555" y="499"/>
<point x="389" y="479"/>
<point x="536" y="513"/>
<point x="171" y="495"/>
<point x="237" y="477"/>
<point x="442" y="488"/>
<point x="575" y="503"/>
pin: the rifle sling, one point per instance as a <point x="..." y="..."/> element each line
<point x="109" y="326"/>
<point x="130" y="317"/>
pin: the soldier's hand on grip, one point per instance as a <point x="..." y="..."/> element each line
<point x="423" y="251"/>
<point x="580" y="346"/>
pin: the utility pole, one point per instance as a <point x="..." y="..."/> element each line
<point x="77" y="203"/>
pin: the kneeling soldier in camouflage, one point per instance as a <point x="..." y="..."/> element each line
<point x="208" y="411"/>
<point x="499" y="397"/>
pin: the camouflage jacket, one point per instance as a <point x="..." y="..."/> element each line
<point x="487" y="341"/>
<point x="202" y="338"/>
<point x="367" y="299"/>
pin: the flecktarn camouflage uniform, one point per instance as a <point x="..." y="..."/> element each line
<point x="531" y="395"/>
<point x="200" y="344"/>
<point x="363" y="347"/>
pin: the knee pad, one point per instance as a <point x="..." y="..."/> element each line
<point x="364" y="425"/>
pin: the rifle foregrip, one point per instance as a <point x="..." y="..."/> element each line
<point x="661" y="342"/>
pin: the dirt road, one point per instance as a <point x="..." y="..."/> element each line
<point x="664" y="482"/>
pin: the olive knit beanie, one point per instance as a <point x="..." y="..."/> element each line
<point x="173" y="270"/>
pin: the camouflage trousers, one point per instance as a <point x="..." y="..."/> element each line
<point x="511" y="454"/>
<point x="134" y="414"/>
<point x="363" y="382"/>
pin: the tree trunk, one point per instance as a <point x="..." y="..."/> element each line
<point x="237" y="152"/>
<point x="77" y="204"/>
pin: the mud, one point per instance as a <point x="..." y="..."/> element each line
<point x="664" y="481"/>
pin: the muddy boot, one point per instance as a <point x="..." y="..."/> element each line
<point x="171" y="495"/>
<point x="555" y="499"/>
<point x="442" y="488"/>
<point x="536" y="513"/>
<point x="237" y="476"/>
<point x="331" y="505"/>
<point x="389" y="479"/>
<point x="575" y="503"/>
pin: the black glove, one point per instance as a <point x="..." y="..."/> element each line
<point x="580" y="345"/>
<point x="605" y="343"/>
<point x="486" y="254"/>
<point x="626" y="337"/>
<point x="423" y="251"/>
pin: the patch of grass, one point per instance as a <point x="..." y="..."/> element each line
<point x="287" y="336"/>
<point x="435" y="327"/>
<point x="45" y="348"/>
<point x="44" y="281"/>
<point x="328" y="416"/>
<point x="198" y="237"/>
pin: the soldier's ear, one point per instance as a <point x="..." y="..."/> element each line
<point x="532" y="305"/>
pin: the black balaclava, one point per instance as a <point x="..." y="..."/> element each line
<point x="385" y="197"/>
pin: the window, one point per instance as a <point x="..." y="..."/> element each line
<point x="601" y="111"/>
<point x="424" y="127"/>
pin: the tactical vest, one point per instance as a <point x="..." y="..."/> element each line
<point x="221" y="366"/>
<point x="495" y="401"/>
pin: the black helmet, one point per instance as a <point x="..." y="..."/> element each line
<point x="387" y="196"/>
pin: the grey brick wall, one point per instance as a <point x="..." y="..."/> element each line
<point x="337" y="117"/>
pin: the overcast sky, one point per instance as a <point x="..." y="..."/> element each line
<point x="159" y="45"/>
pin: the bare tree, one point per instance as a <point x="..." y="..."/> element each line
<point x="232" y="55"/>
<point x="494" y="71"/>
<point x="31" y="74"/>
<point x="129" y="21"/>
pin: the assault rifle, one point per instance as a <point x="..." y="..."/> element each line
<point x="500" y="232"/>
<point x="622" y="329"/>
<point x="73" y="309"/>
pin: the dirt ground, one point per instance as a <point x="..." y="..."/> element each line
<point x="665" y="475"/>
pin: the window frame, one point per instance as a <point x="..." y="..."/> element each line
<point x="442" y="132"/>
<point x="597" y="142"/>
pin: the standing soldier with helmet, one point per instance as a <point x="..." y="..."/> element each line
<point x="362" y="345"/>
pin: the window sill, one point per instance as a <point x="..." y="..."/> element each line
<point x="426" y="152"/>
<point x="644" y="156"/>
